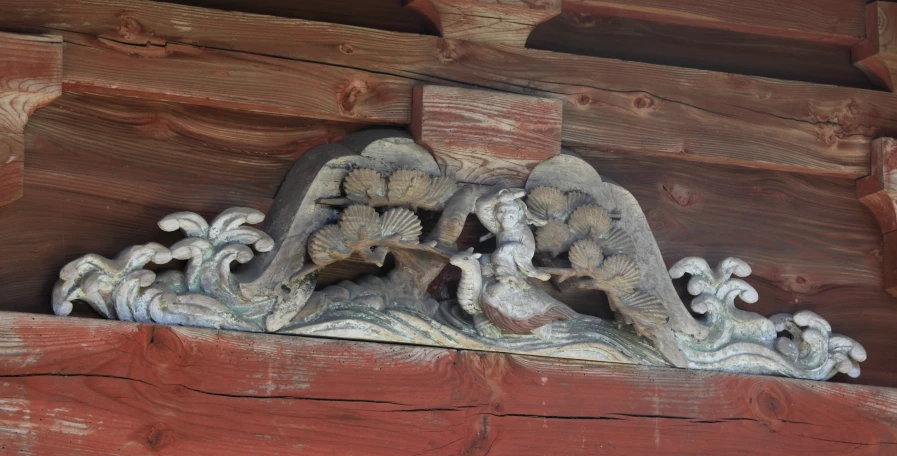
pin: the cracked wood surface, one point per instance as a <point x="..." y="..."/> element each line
<point x="132" y="389"/>
<point x="30" y="77"/>
<point x="608" y="104"/>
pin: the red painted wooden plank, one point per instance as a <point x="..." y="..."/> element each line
<point x="100" y="387"/>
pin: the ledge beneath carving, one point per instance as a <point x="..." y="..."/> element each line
<point x="379" y="195"/>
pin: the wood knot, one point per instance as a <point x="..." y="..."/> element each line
<point x="346" y="48"/>
<point x="830" y="134"/>
<point x="679" y="194"/>
<point x="447" y="50"/>
<point x="350" y="94"/>
<point x="582" y="100"/>
<point x="643" y="102"/>
<point x="157" y="437"/>
<point x="129" y="29"/>
<point x="163" y="346"/>
<point x="769" y="405"/>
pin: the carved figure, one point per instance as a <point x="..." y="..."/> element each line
<point x="506" y="216"/>
<point x="591" y="235"/>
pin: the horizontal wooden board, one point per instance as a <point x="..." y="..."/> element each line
<point x="823" y="21"/>
<point x="98" y="387"/>
<point x="608" y="104"/>
<point x="234" y="80"/>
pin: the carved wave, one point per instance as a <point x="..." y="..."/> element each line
<point x="584" y="338"/>
<point x="740" y="341"/>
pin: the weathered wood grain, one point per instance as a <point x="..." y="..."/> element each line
<point x="877" y="54"/>
<point x="504" y="22"/>
<point x="485" y="136"/>
<point x="234" y="80"/>
<point x="823" y="21"/>
<point x="609" y="104"/>
<point x="30" y="77"/>
<point x="100" y="387"/>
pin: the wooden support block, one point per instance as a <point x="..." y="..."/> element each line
<point x="483" y="136"/>
<point x="79" y="386"/>
<point x="877" y="54"/>
<point x="506" y="22"/>
<point x="878" y="192"/>
<point x="889" y="258"/>
<point x="30" y="77"/>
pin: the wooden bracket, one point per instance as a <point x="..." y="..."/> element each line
<point x="506" y="22"/>
<point x="878" y="192"/>
<point x="877" y="54"/>
<point x="487" y="137"/>
<point x="30" y="77"/>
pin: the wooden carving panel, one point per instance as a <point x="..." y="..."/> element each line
<point x="484" y="136"/>
<point x="30" y="77"/>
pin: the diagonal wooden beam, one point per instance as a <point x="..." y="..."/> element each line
<point x="30" y="77"/>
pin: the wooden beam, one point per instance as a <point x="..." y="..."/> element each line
<point x="30" y="77"/>
<point x="820" y="21"/>
<point x="107" y="387"/>
<point x="484" y="136"/>
<point x="877" y="54"/>
<point x="506" y="22"/>
<point x="234" y="80"/>
<point x="608" y="104"/>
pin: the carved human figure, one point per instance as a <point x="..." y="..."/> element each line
<point x="507" y="217"/>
